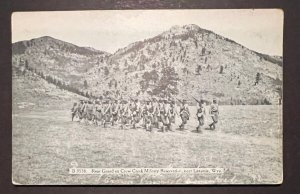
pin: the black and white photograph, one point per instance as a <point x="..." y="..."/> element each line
<point x="147" y="97"/>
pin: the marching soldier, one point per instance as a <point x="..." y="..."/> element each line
<point x="134" y="113"/>
<point x="83" y="111"/>
<point x="89" y="111"/>
<point x="150" y="116"/>
<point x="159" y="115"/>
<point x="214" y="112"/>
<point x="200" y="115"/>
<point x="143" y="113"/>
<point x="164" y="111"/>
<point x="98" y="112"/>
<point x="124" y="113"/>
<point x="106" y="113"/>
<point x="74" y="110"/>
<point x="172" y="114"/>
<point x="184" y="113"/>
<point x="114" y="109"/>
<point x="79" y="107"/>
<point x="155" y="113"/>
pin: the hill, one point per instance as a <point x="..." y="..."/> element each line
<point x="61" y="60"/>
<point x="184" y="61"/>
<point x="30" y="91"/>
<point x="196" y="57"/>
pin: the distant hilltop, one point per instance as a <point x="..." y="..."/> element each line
<point x="184" y="61"/>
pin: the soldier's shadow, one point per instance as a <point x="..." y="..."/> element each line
<point x="196" y="131"/>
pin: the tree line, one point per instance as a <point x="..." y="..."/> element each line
<point x="24" y="66"/>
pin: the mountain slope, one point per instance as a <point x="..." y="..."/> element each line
<point x="197" y="56"/>
<point x="30" y="91"/>
<point x="184" y="61"/>
<point x="64" y="61"/>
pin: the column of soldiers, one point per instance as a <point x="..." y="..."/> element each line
<point x="152" y="113"/>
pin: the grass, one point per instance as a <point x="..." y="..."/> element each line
<point x="247" y="143"/>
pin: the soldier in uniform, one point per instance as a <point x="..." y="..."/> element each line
<point x="79" y="113"/>
<point x="83" y="111"/>
<point x="134" y="113"/>
<point x="74" y="110"/>
<point x="155" y="113"/>
<point x="200" y="115"/>
<point x="124" y="113"/>
<point x="106" y="113"/>
<point x="143" y="113"/>
<point x="149" y="116"/>
<point x="214" y="112"/>
<point x="184" y="113"/>
<point x="89" y="111"/>
<point x="114" y="109"/>
<point x="172" y="114"/>
<point x="164" y="110"/>
<point x="98" y="112"/>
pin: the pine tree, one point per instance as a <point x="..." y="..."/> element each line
<point x="167" y="85"/>
<point x="106" y="71"/>
<point x="257" y="78"/>
<point x="221" y="69"/>
<point x="203" y="50"/>
<point x="26" y="64"/>
<point x="85" y="84"/>
<point x="198" y="69"/>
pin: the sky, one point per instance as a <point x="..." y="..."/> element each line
<point x="108" y="30"/>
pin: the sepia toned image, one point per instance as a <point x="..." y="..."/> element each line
<point x="142" y="97"/>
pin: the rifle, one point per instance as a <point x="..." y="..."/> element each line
<point x="196" y="100"/>
<point x="179" y="100"/>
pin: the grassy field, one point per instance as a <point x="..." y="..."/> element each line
<point x="247" y="143"/>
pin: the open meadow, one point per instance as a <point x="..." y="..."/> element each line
<point x="247" y="143"/>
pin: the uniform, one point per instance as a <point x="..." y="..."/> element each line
<point x="214" y="111"/>
<point x="114" y="108"/>
<point x="134" y="114"/>
<point x="74" y="110"/>
<point x="155" y="114"/>
<point x="171" y="115"/>
<point x="124" y="114"/>
<point x="83" y="113"/>
<point x="200" y="116"/>
<point x="184" y="114"/>
<point x="149" y="117"/>
<point x="106" y="114"/>
<point x="164" y="110"/>
<point x="89" y="111"/>
<point x="98" y="113"/>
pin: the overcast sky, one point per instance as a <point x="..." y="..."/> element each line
<point x="260" y="30"/>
